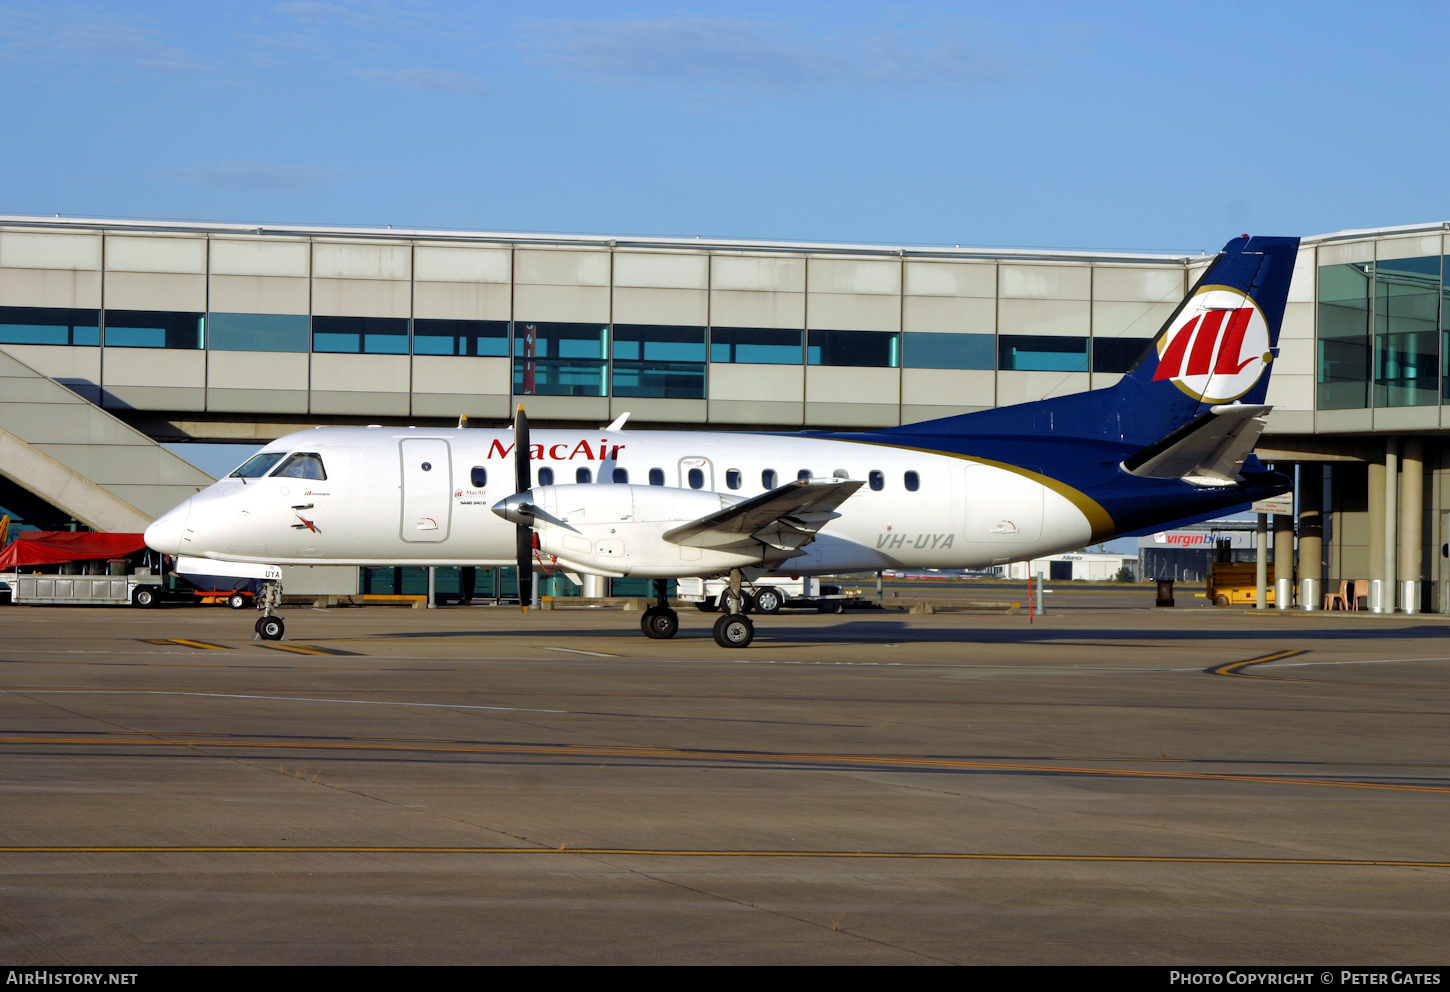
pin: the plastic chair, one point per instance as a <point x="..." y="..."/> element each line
<point x="1342" y="597"/>
<point x="1360" y="591"/>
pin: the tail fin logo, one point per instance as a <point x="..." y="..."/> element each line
<point x="1217" y="348"/>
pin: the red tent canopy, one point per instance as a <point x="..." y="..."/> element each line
<point x="46" y="547"/>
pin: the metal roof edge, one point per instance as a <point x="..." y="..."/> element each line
<point x="1370" y="232"/>
<point x="590" y="240"/>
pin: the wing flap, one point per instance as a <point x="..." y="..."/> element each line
<point x="790" y="515"/>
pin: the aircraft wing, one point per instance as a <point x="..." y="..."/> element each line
<point x="1208" y="450"/>
<point x="783" y="518"/>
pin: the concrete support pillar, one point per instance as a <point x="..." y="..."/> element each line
<point x="1375" y="526"/>
<point x="1412" y="516"/>
<point x="1261" y="558"/>
<point x="1283" y="561"/>
<point x="593" y="587"/>
<point x="1311" y="534"/>
<point x="1392" y="520"/>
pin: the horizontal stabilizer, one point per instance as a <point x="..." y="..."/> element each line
<point x="785" y="518"/>
<point x="1208" y="450"/>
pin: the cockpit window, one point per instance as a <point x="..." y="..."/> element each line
<point x="256" y="466"/>
<point x="302" y="465"/>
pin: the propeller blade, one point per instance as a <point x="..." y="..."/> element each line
<point x="525" y="538"/>
<point x="522" y="481"/>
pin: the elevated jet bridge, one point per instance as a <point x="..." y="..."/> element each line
<point x="65" y="451"/>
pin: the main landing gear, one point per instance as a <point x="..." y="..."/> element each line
<point x="733" y="630"/>
<point x="269" y="626"/>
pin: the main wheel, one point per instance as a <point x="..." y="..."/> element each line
<point x="237" y="601"/>
<point x="271" y="628"/>
<point x="659" y="624"/>
<point x="734" y="630"/>
<point x="768" y="600"/>
<point x="144" y="597"/>
<point x="708" y="605"/>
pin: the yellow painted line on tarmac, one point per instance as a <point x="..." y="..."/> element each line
<point x="185" y="643"/>
<point x="740" y="756"/>
<point x="308" y="649"/>
<point x="690" y="853"/>
<point x="1240" y="669"/>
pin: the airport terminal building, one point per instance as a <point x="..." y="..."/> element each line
<point x="117" y="335"/>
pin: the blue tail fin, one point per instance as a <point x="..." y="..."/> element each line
<point x="1217" y="347"/>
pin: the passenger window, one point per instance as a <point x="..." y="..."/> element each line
<point x="803" y="474"/>
<point x="732" y="478"/>
<point x="303" y="465"/>
<point x="256" y="466"/>
<point x="546" y="477"/>
<point x="583" y="475"/>
<point x="840" y="473"/>
<point x="621" y="475"/>
<point x="878" y="481"/>
<point x="479" y="477"/>
<point x="697" y="478"/>
<point x="767" y="478"/>
<point x="913" y="482"/>
<point x="657" y="477"/>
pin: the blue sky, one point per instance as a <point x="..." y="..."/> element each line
<point x="1154" y="126"/>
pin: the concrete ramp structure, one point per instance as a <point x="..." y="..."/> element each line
<point x="81" y="460"/>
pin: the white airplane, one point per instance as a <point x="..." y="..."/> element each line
<point x="1172" y="441"/>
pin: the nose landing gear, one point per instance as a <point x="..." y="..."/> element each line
<point x="659" y="621"/>
<point x="269" y="626"/>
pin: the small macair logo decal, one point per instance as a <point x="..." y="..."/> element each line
<point x="1217" y="348"/>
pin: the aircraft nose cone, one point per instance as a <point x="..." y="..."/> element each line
<point x="516" y="509"/>
<point x="166" y="531"/>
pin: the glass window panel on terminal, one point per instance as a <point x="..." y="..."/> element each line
<point x="1118" y="354"/>
<point x="481" y="338"/>
<point x="929" y="350"/>
<point x="861" y="349"/>
<point x="360" y="335"/>
<point x="1344" y="359"/>
<point x="302" y="465"/>
<point x="155" y="329"/>
<point x="659" y="360"/>
<point x="756" y="345"/>
<point x="1042" y="353"/>
<point x="1407" y="331"/>
<point x="49" y="325"/>
<point x="258" y="331"/>
<point x="560" y="359"/>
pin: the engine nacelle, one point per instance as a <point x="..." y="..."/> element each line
<point x="614" y="529"/>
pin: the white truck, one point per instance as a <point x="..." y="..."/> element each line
<point x="769" y="594"/>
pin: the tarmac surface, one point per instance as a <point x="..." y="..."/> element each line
<point x="1107" y="784"/>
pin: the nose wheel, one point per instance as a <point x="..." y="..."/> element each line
<point x="659" y="623"/>
<point x="270" y="628"/>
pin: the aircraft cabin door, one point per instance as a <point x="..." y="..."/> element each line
<point x="427" y="489"/>
<point x="697" y="473"/>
